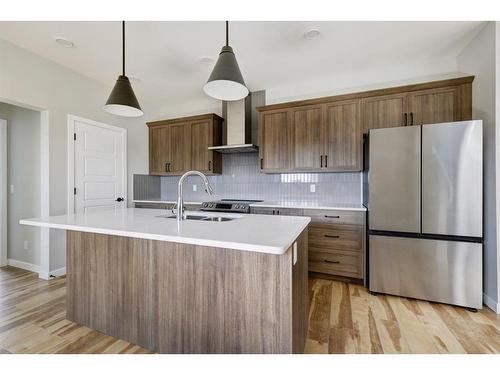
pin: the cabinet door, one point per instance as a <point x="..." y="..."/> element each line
<point x="201" y="156"/>
<point x="342" y="136"/>
<point x="276" y="141"/>
<point x="384" y="112"/>
<point x="433" y="106"/>
<point x="158" y="150"/>
<point x="179" y="145"/>
<point x="307" y="122"/>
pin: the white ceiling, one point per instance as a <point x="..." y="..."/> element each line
<point x="166" y="55"/>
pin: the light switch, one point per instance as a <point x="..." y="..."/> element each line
<point x="26" y="247"/>
<point x="312" y="188"/>
<point x="12" y="189"/>
<point x="195" y="187"/>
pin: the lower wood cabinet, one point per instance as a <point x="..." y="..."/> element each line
<point x="179" y="145"/>
<point x="336" y="240"/>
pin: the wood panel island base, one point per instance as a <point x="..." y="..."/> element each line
<point x="183" y="298"/>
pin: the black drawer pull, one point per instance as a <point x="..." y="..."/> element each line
<point x="332" y="217"/>
<point x="326" y="161"/>
<point x="332" y="236"/>
<point x="321" y="161"/>
<point x="210" y="165"/>
<point x="411" y="118"/>
<point x="406" y="119"/>
<point x="332" y="261"/>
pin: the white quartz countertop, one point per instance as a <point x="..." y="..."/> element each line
<point x="260" y="233"/>
<point x="287" y="204"/>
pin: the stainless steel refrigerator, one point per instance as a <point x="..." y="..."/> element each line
<point x="424" y="193"/>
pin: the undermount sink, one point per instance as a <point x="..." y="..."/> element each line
<point x="200" y="218"/>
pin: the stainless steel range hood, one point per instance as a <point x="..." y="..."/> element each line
<point x="240" y="129"/>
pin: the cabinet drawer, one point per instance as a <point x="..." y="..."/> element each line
<point x="333" y="263"/>
<point x="341" y="237"/>
<point x="335" y="217"/>
<point x="276" y="211"/>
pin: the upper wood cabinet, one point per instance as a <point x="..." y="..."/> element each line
<point x="158" y="153"/>
<point x="276" y="141"/>
<point x="325" y="134"/>
<point x="307" y="131"/>
<point x="384" y="111"/>
<point x="433" y="106"/>
<point x="179" y="145"/>
<point x="342" y="136"/>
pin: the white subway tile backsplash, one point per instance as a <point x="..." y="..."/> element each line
<point x="242" y="179"/>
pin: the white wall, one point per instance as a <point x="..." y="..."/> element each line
<point x="479" y="59"/>
<point x="28" y="79"/>
<point x="23" y="174"/>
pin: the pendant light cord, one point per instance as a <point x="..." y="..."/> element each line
<point x="123" y="47"/>
<point x="227" y="33"/>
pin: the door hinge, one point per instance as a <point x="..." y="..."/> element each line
<point x="74" y="191"/>
<point x="74" y="136"/>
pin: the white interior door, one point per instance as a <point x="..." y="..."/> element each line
<point x="3" y="193"/>
<point x="100" y="169"/>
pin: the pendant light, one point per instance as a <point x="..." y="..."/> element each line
<point x="122" y="100"/>
<point x="226" y="82"/>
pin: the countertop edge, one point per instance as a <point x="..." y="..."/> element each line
<point x="273" y="250"/>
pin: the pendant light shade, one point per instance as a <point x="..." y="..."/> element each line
<point x="226" y="82"/>
<point x="122" y="100"/>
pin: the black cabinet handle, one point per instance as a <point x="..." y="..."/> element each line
<point x="326" y="161"/>
<point x="411" y="118"/>
<point x="332" y="261"/>
<point x="274" y="212"/>
<point x="261" y="163"/>
<point x="331" y="236"/>
<point x="277" y="212"/>
<point x="321" y="161"/>
<point x="119" y="199"/>
<point x="332" y="217"/>
<point x="210" y="165"/>
<point x="166" y="167"/>
<point x="406" y="119"/>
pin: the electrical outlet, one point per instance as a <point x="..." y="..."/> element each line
<point x="312" y="188"/>
<point x="26" y="247"/>
<point x="12" y="189"/>
<point x="195" y="187"/>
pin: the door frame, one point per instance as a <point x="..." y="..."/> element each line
<point x="71" y="157"/>
<point x="3" y="192"/>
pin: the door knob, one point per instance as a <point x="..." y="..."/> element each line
<point x="119" y="199"/>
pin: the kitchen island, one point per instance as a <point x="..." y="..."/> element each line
<point x="196" y="286"/>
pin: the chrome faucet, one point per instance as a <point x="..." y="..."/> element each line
<point x="180" y="200"/>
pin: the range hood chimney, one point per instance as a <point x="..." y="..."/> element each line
<point x="241" y="124"/>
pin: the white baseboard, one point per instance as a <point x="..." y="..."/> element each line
<point x="24" y="265"/>
<point x="491" y="303"/>
<point x="35" y="268"/>
<point x="58" y="272"/>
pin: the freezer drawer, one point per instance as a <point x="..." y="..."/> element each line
<point x="434" y="270"/>
<point x="394" y="178"/>
<point x="452" y="179"/>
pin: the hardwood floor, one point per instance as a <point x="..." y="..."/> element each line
<point x="343" y="318"/>
<point x="346" y="318"/>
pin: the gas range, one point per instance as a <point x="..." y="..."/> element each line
<point x="229" y="205"/>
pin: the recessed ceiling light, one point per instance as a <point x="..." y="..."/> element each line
<point x="312" y="33"/>
<point x="206" y="59"/>
<point x="64" y="42"/>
